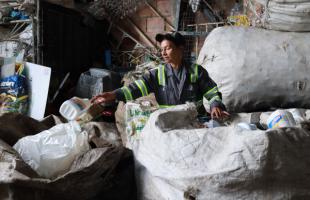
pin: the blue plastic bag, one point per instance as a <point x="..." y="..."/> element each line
<point x="14" y="94"/>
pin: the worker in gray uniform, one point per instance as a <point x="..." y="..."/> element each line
<point x="174" y="82"/>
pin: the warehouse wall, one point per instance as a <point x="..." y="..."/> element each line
<point x="151" y="24"/>
<point x="148" y="21"/>
<point x="144" y="24"/>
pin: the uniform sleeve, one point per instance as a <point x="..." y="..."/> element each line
<point x="138" y="88"/>
<point x="209" y="89"/>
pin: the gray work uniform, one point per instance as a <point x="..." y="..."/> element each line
<point x="191" y="84"/>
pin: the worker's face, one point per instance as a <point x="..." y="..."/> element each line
<point x="170" y="52"/>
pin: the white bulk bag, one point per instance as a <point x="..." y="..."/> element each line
<point x="257" y="69"/>
<point x="175" y="161"/>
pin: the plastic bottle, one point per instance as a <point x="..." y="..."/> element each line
<point x="74" y="107"/>
<point x="281" y="118"/>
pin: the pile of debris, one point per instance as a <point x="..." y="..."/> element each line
<point x="15" y="11"/>
<point x="114" y="10"/>
<point x="62" y="160"/>
<point x="17" y="38"/>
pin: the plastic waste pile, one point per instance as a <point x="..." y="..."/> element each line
<point x="73" y="160"/>
<point x="10" y="12"/>
<point x="50" y="153"/>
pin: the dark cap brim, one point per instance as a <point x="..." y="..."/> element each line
<point x="175" y="37"/>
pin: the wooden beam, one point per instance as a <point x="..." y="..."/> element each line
<point x="160" y="15"/>
<point x="191" y="33"/>
<point x="128" y="35"/>
<point x="177" y="14"/>
<point x="206" y="25"/>
<point x="136" y="41"/>
<point x="121" y="41"/>
<point x="110" y="27"/>
<point x="36" y="33"/>
<point x="214" y="13"/>
<point x="140" y="32"/>
<point x="20" y="21"/>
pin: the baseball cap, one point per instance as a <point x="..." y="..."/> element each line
<point x="174" y="37"/>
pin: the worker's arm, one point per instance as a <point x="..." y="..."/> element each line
<point x="211" y="93"/>
<point x="135" y="90"/>
<point x="105" y="97"/>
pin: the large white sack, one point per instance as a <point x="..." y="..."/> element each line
<point x="175" y="161"/>
<point x="283" y="15"/>
<point x="51" y="152"/>
<point x="257" y="69"/>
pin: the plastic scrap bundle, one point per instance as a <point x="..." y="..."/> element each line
<point x="283" y="15"/>
<point x="63" y="165"/>
<point x="131" y="117"/>
<point x="176" y="161"/>
<point x="258" y="69"/>
<point x="51" y="152"/>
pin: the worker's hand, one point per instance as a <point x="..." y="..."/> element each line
<point x="105" y="97"/>
<point x="218" y="113"/>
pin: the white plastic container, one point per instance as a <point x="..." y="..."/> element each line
<point x="74" y="107"/>
<point x="281" y="118"/>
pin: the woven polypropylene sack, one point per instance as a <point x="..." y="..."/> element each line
<point x="283" y="15"/>
<point x="258" y="69"/>
<point x="176" y="161"/>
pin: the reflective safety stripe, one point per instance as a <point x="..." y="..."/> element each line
<point x="142" y="87"/>
<point x="194" y="76"/>
<point x="161" y="75"/>
<point x="211" y="92"/>
<point x="127" y="93"/>
<point x="216" y="98"/>
<point x="166" y="106"/>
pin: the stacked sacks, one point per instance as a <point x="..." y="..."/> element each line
<point x="282" y="15"/>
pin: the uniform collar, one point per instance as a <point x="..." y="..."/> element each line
<point x="169" y="69"/>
